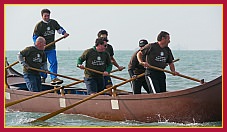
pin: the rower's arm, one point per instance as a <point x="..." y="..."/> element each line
<point x="172" y="68"/>
<point x="114" y="62"/>
<point x="139" y="57"/>
<point x="20" y="58"/>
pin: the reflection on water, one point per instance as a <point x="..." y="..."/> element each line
<point x="68" y="120"/>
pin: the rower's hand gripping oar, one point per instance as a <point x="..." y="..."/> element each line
<point x="41" y="93"/>
<point x="51" y="43"/>
<point x="102" y="73"/>
<point x="48" y="116"/>
<point x="116" y="70"/>
<point x="184" y="76"/>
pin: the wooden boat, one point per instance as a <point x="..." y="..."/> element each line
<point x="202" y="103"/>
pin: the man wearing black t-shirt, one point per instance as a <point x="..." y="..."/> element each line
<point x="33" y="56"/>
<point x="46" y="28"/>
<point x="109" y="49"/>
<point x="98" y="59"/>
<point x="134" y="69"/>
<point x="157" y="54"/>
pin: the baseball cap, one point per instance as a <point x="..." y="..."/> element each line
<point x="142" y="42"/>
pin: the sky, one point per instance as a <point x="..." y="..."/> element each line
<point x="191" y="27"/>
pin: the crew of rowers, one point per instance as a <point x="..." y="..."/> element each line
<point x="99" y="58"/>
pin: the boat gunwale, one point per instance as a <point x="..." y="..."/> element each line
<point x="170" y="94"/>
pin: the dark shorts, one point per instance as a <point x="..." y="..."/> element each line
<point x="94" y="85"/>
<point x="107" y="81"/>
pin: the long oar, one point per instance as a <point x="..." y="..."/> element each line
<point x="12" y="64"/>
<point x="116" y="70"/>
<point x="176" y="60"/>
<point x="51" y="43"/>
<point x="102" y="73"/>
<point x="16" y="62"/>
<point x="184" y="76"/>
<point x="6" y="83"/>
<point x="124" y="67"/>
<point x="41" y="93"/>
<point x="46" y="117"/>
<point x="39" y="70"/>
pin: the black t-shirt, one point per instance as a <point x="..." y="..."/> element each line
<point x="47" y="30"/>
<point x="157" y="56"/>
<point x="135" y="66"/>
<point x="109" y="49"/>
<point x="95" y="60"/>
<point x="34" y="58"/>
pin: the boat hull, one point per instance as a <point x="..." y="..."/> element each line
<point x="199" y="104"/>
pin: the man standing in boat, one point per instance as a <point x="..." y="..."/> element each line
<point x="134" y="69"/>
<point x="46" y="28"/>
<point x="109" y="49"/>
<point x="97" y="59"/>
<point x="157" y="54"/>
<point x="33" y="56"/>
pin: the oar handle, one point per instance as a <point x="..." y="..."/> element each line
<point x="116" y="70"/>
<point x="48" y="116"/>
<point x="51" y="43"/>
<point x="48" y="72"/>
<point x="184" y="76"/>
<point x="41" y="93"/>
<point x="176" y="60"/>
<point x="12" y="65"/>
<point x="102" y="73"/>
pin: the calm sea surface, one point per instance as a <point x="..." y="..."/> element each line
<point x="197" y="64"/>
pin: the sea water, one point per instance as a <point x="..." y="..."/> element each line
<point x="198" y="64"/>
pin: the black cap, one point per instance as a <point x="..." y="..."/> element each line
<point x="142" y="42"/>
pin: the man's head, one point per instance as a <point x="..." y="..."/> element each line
<point x="104" y="39"/>
<point x="142" y="42"/>
<point x="163" y="38"/>
<point x="40" y="43"/>
<point x="102" y="33"/>
<point x="101" y="44"/>
<point x="45" y="14"/>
